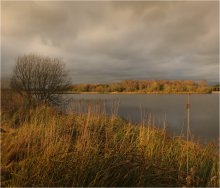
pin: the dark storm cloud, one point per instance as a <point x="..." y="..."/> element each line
<point x="113" y="41"/>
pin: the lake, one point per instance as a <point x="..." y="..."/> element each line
<point x="204" y="111"/>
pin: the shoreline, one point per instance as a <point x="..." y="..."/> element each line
<point x="131" y="93"/>
<point x="148" y="93"/>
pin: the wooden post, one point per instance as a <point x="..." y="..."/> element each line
<point x="188" y="131"/>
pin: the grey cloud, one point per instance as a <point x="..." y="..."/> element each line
<point x="108" y="41"/>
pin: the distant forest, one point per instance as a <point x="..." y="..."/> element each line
<point x="147" y="86"/>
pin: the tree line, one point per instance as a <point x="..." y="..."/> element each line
<point x="146" y="86"/>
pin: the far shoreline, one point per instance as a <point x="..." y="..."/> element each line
<point x="147" y="93"/>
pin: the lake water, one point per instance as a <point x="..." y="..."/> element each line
<point x="204" y="111"/>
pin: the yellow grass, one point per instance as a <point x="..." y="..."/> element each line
<point x="44" y="147"/>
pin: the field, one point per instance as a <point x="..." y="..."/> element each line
<point x="42" y="146"/>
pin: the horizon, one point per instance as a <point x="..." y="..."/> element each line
<point x="168" y="80"/>
<point x="108" y="42"/>
<point x="5" y="82"/>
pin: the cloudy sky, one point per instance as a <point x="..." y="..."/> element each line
<point x="103" y="42"/>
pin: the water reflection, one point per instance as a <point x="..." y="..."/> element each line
<point x="204" y="112"/>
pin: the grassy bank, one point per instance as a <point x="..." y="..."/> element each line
<point x="41" y="146"/>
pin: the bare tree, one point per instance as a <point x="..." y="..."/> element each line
<point x="40" y="78"/>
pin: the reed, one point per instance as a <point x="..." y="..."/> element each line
<point x="50" y="148"/>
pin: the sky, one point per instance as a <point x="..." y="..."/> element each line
<point x="102" y="42"/>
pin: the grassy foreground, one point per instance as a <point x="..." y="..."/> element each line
<point x="43" y="147"/>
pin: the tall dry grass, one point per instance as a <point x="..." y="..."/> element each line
<point x="45" y="147"/>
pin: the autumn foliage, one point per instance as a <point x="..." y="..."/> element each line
<point x="146" y="86"/>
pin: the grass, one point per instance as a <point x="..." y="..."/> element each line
<point x="41" y="146"/>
